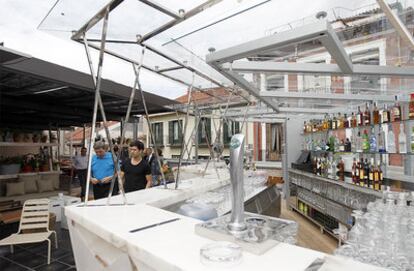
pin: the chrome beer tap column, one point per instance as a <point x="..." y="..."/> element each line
<point x="237" y="222"/>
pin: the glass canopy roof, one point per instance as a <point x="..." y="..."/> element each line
<point x="179" y="51"/>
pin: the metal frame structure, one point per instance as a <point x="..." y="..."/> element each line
<point x="229" y="64"/>
<point x="81" y="37"/>
<point x="80" y="34"/>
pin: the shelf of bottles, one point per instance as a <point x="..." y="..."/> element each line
<point x="371" y="131"/>
<point x="363" y="144"/>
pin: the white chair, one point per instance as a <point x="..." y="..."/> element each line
<point x="35" y="217"/>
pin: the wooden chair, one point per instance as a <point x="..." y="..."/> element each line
<point x="33" y="227"/>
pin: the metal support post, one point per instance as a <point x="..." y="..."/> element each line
<point x="285" y="166"/>
<point x="149" y="126"/>
<point x="97" y="83"/>
<point x="183" y="134"/>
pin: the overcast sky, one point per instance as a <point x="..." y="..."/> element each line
<point x="19" y="19"/>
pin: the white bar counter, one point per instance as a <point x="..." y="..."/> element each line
<point x="101" y="237"/>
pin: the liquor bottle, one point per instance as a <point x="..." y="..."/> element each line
<point x="365" y="141"/>
<point x="366" y="172"/>
<point x="360" y="117"/>
<point x="372" y="141"/>
<point x="354" y="171"/>
<point x="329" y="123"/>
<point x="331" y="144"/>
<point x="341" y="169"/>
<point x="353" y="141"/>
<point x="334" y="123"/>
<point x="376" y="177"/>
<point x="336" y="144"/>
<point x="348" y="146"/>
<point x="396" y="111"/>
<point x="318" y="167"/>
<point x="326" y="122"/>
<point x="375" y="115"/>
<point x="361" y="172"/>
<point x="385" y="114"/>
<point x="353" y="120"/>
<point x="367" y="115"/>
<point x="358" y="143"/>
<point x="322" y="168"/>
<point x="342" y="146"/>
<point x="381" y="141"/>
<point x="381" y="176"/>
<point x="340" y="121"/>
<point x="402" y="140"/>
<point x="333" y="169"/>
<point x="346" y="121"/>
<point x="371" y="174"/>
<point x="391" y="141"/>
<point x="411" y="107"/>
<point x="412" y="140"/>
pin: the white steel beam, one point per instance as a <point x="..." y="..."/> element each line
<point x="314" y="68"/>
<point x="321" y="31"/>
<point x="334" y="46"/>
<point x="251" y="111"/>
<point x="306" y="110"/>
<point x="261" y="120"/>
<point x="244" y="84"/>
<point x="395" y="21"/>
<point x="328" y="96"/>
<point x="300" y="34"/>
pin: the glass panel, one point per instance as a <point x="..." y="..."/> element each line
<point x="134" y="52"/>
<point x="67" y="16"/>
<point x="131" y="18"/>
<point x="186" y="76"/>
<point x="127" y="20"/>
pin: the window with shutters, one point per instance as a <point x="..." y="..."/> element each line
<point x="157" y="131"/>
<point x="204" y="131"/>
<point x="230" y="128"/>
<point x="174" y="132"/>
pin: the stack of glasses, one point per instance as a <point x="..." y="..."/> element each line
<point x="384" y="235"/>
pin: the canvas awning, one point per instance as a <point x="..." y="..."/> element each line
<point x="36" y="94"/>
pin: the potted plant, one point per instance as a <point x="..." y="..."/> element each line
<point x="28" y="163"/>
<point x="10" y="165"/>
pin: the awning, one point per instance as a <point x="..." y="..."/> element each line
<point x="36" y="94"/>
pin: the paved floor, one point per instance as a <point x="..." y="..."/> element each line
<point x="34" y="256"/>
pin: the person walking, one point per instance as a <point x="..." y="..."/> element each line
<point x="135" y="171"/>
<point x="80" y="165"/>
<point x="155" y="167"/>
<point x="102" y="171"/>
